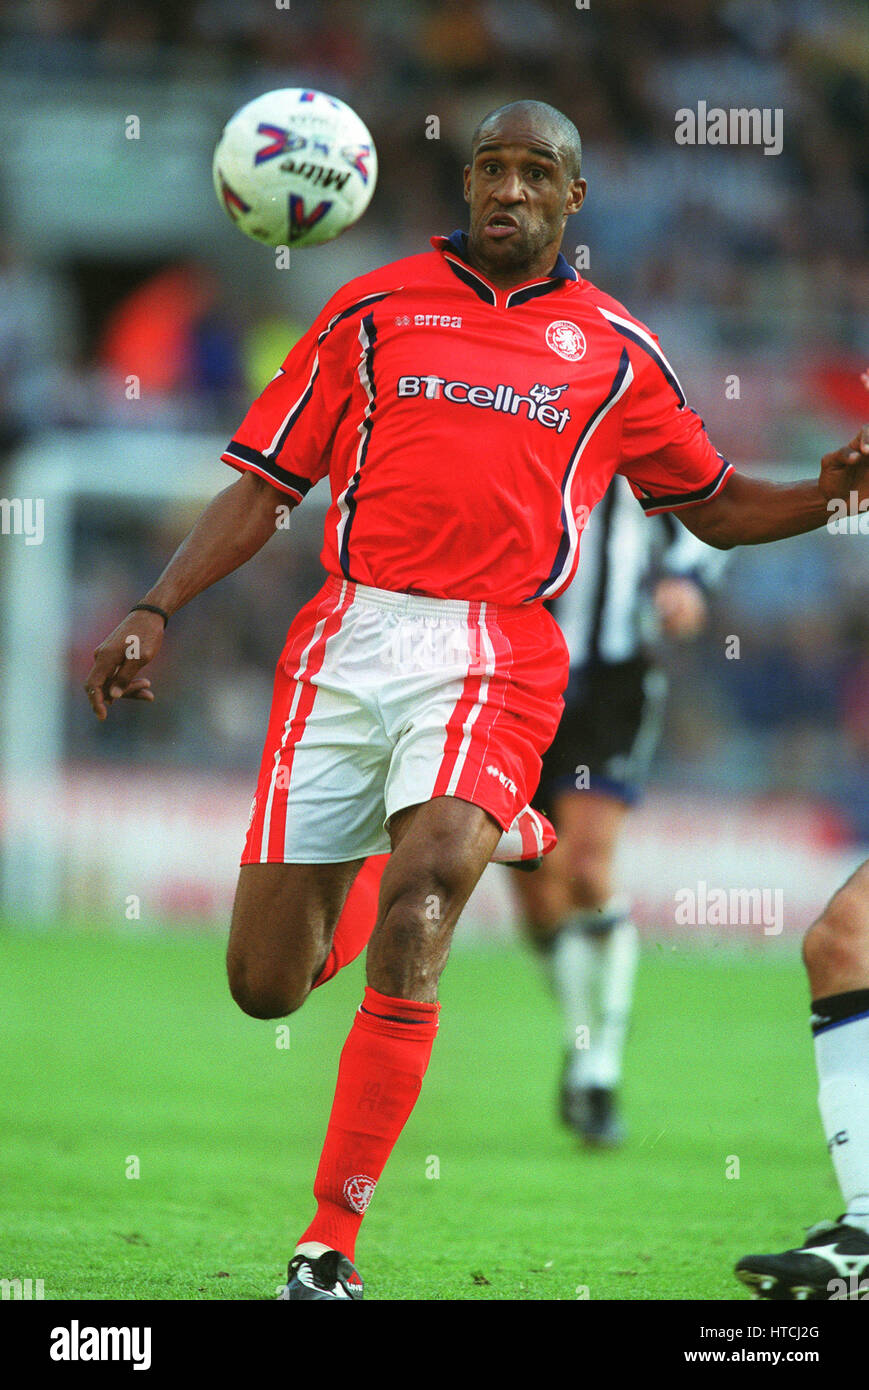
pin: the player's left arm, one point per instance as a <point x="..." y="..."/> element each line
<point x="751" y="511"/>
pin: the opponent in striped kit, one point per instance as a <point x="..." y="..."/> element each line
<point x="469" y="407"/>
<point x="638" y="580"/>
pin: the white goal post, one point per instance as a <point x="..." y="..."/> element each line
<point x="62" y="470"/>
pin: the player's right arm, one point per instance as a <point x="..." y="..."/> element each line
<point x="282" y="450"/>
<point x="233" y="527"/>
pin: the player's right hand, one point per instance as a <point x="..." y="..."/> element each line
<point x="117" y="661"/>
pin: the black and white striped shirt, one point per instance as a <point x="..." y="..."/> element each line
<point x="605" y="614"/>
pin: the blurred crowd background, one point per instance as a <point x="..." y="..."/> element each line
<point x="115" y="260"/>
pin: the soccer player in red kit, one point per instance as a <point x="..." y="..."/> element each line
<point x="469" y="405"/>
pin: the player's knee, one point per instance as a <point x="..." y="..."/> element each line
<point x="415" y="925"/>
<point x="838" y="941"/>
<point x="590" y="877"/>
<point x="263" y="995"/>
<point x="410" y="945"/>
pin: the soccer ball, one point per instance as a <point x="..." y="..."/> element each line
<point x="295" y="168"/>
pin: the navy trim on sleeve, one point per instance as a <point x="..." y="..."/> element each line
<point x="252" y="458"/>
<point x="673" y="501"/>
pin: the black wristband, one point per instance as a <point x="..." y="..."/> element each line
<point x="151" y="608"/>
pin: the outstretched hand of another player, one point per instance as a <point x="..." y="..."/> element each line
<point x="845" y="474"/>
<point x="117" y="661"/>
<point x="681" y="607"/>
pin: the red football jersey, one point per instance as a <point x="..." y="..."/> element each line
<point x="468" y="431"/>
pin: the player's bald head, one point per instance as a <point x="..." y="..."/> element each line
<point x="530" y="118"/>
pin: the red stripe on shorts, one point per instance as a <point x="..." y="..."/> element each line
<point x="455" y="730"/>
<point x="301" y="660"/>
<point x="494" y="650"/>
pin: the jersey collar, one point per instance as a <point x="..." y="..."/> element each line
<point x="455" y="249"/>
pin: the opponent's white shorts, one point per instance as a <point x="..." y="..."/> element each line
<point x="384" y="700"/>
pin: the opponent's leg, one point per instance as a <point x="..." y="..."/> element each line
<point x="440" y="849"/>
<point x="836" y="953"/>
<point x="283" y="923"/>
<point x="590" y="948"/>
<point x="833" y="1261"/>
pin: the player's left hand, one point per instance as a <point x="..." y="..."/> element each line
<point x="681" y="607"/>
<point x="846" y="472"/>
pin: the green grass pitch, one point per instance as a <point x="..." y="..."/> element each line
<point x="124" y="1055"/>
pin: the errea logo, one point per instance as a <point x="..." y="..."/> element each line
<point x="428" y="320"/>
<point x="502" y="777"/>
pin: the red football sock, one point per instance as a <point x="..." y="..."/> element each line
<point x="356" y="922"/>
<point x="379" y="1078"/>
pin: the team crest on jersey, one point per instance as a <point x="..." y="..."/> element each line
<point x="358" y="1191"/>
<point x="566" y="339"/>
